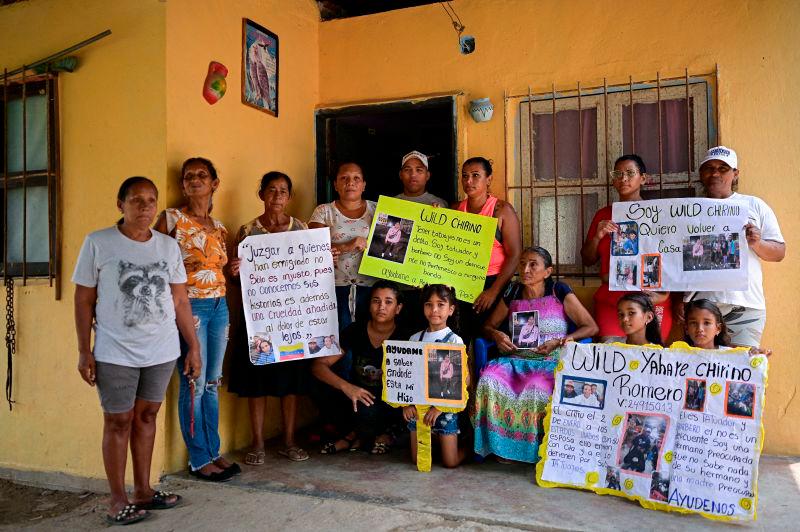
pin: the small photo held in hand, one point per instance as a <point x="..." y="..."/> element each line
<point x="525" y="329"/>
<point x="625" y="242"/>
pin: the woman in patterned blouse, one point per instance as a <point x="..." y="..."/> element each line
<point x="202" y="242"/>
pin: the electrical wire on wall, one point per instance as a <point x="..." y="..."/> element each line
<point x="466" y="43"/>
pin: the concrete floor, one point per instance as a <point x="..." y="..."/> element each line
<point x="355" y="491"/>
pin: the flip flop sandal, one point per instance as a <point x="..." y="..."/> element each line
<point x="255" y="458"/>
<point x="160" y="501"/>
<point x="295" y="454"/>
<point x="380" y="448"/>
<point x="127" y="516"/>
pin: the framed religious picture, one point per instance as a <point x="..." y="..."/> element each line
<point x="259" y="67"/>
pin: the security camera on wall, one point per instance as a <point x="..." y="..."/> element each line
<point x="467" y="43"/>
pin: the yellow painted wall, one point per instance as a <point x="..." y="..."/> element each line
<point x="244" y="143"/>
<point x="113" y="125"/>
<point x="135" y="107"/>
<point x="413" y="51"/>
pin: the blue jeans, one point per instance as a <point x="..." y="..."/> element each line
<point x="211" y="325"/>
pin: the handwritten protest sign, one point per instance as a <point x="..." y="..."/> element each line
<point x="677" y="429"/>
<point x="416" y="244"/>
<point x="289" y="296"/>
<point x="679" y="244"/>
<point x="425" y="374"/>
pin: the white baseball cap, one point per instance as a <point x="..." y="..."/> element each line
<point x="721" y="153"/>
<point x="415" y="154"/>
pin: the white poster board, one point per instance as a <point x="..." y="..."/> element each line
<point x="677" y="429"/>
<point x="289" y="296"/>
<point x="680" y="244"/>
<point x="425" y="373"/>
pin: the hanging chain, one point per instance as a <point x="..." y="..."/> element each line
<point x="454" y="18"/>
<point x="11" y="337"/>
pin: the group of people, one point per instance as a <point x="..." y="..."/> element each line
<point x="157" y="296"/>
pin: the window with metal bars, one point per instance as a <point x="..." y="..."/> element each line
<point x="28" y="192"/>
<point x="560" y="176"/>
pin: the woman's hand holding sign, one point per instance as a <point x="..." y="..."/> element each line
<point x="606" y="227"/>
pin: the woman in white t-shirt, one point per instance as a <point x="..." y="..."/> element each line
<point x="745" y="312"/>
<point x="130" y="286"/>
<point x="349" y="219"/>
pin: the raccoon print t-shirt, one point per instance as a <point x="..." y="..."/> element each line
<point x="135" y="315"/>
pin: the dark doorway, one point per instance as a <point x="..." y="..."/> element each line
<point x="377" y="137"/>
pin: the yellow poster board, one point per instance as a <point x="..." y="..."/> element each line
<point x="425" y="374"/>
<point x="677" y="429"/>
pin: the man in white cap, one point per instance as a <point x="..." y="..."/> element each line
<point x="744" y="312"/>
<point x="414" y="174"/>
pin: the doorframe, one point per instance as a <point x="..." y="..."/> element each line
<point x="323" y="186"/>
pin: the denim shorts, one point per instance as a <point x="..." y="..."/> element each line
<point x="120" y="386"/>
<point x="446" y="424"/>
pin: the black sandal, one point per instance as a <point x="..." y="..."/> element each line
<point x="127" y="516"/>
<point x="330" y="447"/>
<point x="160" y="501"/>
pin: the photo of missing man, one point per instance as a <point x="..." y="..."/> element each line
<point x="261" y="350"/>
<point x="612" y="478"/>
<point x="659" y="487"/>
<point x="390" y="240"/>
<point x="695" y="395"/>
<point x="626" y="272"/>
<point x="651" y="271"/>
<point x="324" y="345"/>
<point x="711" y="252"/>
<point x="583" y="392"/>
<point x="740" y="398"/>
<point x="444" y="374"/>
<point x="642" y="442"/>
<point x="525" y="329"/>
<point x="625" y="242"/>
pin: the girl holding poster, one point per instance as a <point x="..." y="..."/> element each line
<point x="439" y="306"/>
<point x="513" y="391"/>
<point x="286" y="380"/>
<point x="628" y="177"/>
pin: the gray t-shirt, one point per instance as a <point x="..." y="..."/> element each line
<point x="427" y="198"/>
<point x="135" y="315"/>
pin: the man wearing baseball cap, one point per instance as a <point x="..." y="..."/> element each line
<point x="414" y="174"/>
<point x="744" y="312"/>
